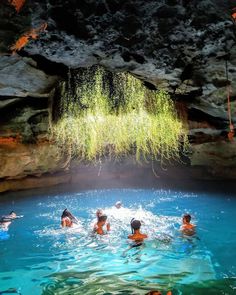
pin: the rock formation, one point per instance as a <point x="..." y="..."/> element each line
<point x="186" y="47"/>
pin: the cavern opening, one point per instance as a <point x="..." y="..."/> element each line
<point x="117" y="147"/>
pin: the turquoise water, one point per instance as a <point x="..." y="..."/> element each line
<point x="38" y="257"/>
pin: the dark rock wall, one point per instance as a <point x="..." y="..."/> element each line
<point x="179" y="45"/>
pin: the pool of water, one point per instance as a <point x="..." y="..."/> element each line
<point x="39" y="257"/>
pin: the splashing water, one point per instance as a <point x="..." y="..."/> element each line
<point x="39" y="257"/>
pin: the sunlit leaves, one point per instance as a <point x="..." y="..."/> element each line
<point x="132" y="120"/>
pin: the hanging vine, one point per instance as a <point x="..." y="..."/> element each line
<point x="102" y="115"/>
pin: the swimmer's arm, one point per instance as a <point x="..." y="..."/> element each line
<point x="108" y="226"/>
<point x="182" y="227"/>
<point x="19" y="216"/>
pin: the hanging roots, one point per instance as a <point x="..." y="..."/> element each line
<point x="104" y="114"/>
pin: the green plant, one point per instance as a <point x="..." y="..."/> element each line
<point x="115" y="116"/>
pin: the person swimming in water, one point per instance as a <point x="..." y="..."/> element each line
<point x="12" y="215"/>
<point x="101" y="227"/>
<point x="136" y="236"/>
<point x="6" y="220"/>
<point x="67" y="219"/>
<point x="187" y="228"/>
<point x="118" y="205"/>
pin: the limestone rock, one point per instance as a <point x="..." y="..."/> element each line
<point x="20" y="77"/>
<point x="214" y="154"/>
<point x="19" y="160"/>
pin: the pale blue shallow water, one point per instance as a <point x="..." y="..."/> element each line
<point x="38" y="257"/>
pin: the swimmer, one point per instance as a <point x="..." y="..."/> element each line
<point x="98" y="213"/>
<point x="187" y="228"/>
<point x="118" y="204"/>
<point x="12" y="215"/>
<point x="101" y="223"/>
<point x="67" y="219"/>
<point x="6" y="220"/>
<point x="136" y="236"/>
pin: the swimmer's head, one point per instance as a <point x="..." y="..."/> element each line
<point x="187" y="218"/>
<point x="102" y="217"/>
<point x="135" y="224"/>
<point x="118" y="204"/>
<point x="99" y="213"/>
<point x="12" y="214"/>
<point x="66" y="213"/>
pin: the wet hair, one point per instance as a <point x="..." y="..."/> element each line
<point x="135" y="224"/>
<point x="102" y="218"/>
<point x="67" y="213"/>
<point x="12" y="212"/>
<point x="187" y="217"/>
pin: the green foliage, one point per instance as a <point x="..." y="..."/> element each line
<point x="113" y="115"/>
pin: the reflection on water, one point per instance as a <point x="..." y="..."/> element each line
<point x="39" y="257"/>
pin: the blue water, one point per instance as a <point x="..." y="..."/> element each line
<point x="38" y="257"/>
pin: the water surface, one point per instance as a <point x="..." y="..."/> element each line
<point x="38" y="257"/>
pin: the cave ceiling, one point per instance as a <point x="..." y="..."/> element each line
<point x="185" y="47"/>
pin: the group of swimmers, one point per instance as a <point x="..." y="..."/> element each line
<point x="102" y="226"/>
